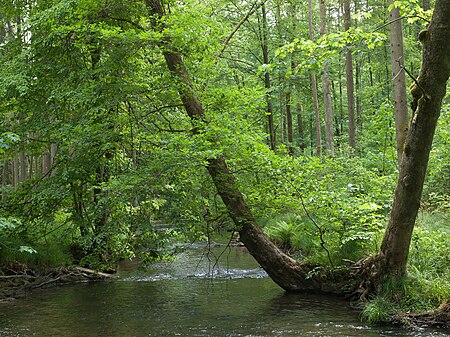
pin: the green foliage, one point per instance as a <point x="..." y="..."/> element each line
<point x="7" y="140"/>
<point x="19" y="243"/>
<point x="437" y="184"/>
<point x="294" y="234"/>
<point x="318" y="196"/>
<point x="413" y="11"/>
<point x="429" y="262"/>
<point x="316" y="54"/>
<point x="88" y="80"/>
<point x="377" y="150"/>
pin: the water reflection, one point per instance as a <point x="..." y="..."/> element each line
<point x="189" y="297"/>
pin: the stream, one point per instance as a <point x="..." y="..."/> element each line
<point x="204" y="292"/>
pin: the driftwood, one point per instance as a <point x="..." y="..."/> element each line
<point x="17" y="280"/>
<point x="93" y="272"/>
<point x="439" y="318"/>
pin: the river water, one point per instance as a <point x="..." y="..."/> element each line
<point x="205" y="292"/>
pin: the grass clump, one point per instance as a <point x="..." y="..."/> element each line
<point x="427" y="283"/>
<point x="379" y="310"/>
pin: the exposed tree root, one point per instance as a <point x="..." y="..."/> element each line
<point x="366" y="273"/>
<point x="16" y="280"/>
<point x="439" y="318"/>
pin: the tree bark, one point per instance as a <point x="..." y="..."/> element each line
<point x="265" y="51"/>
<point x="358" y="96"/>
<point x="4" y="178"/>
<point x="46" y="162"/>
<point x="427" y="103"/>
<point x="290" y="134"/>
<point x="314" y="88"/>
<point x="399" y="80"/>
<point x="349" y="82"/>
<point x="23" y="166"/>
<point x="15" y="172"/>
<point x="300" y="128"/>
<point x="327" y="101"/>
<point x="53" y="150"/>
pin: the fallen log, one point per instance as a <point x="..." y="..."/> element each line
<point x="21" y="282"/>
<point x="93" y="272"/>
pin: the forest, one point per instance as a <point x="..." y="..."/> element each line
<point x="314" y="132"/>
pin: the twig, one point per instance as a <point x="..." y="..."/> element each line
<point x="134" y="24"/>
<point x="428" y="97"/>
<point x="321" y="231"/>
<point x="46" y="282"/>
<point x="16" y="276"/>
<point x="400" y="18"/>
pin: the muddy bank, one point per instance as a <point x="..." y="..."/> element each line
<point x="17" y="280"/>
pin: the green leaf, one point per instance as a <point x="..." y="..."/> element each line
<point x="27" y="249"/>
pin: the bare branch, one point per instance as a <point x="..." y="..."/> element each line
<point x="400" y="18"/>
<point x="414" y="79"/>
<point x="254" y="7"/>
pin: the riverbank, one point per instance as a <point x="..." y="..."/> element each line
<point x="17" y="279"/>
<point x="439" y="318"/>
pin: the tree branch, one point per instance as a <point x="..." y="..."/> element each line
<point x="400" y="18"/>
<point x="319" y="228"/>
<point x="134" y="24"/>
<point x="254" y="7"/>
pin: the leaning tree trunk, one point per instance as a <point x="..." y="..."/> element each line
<point x="428" y="93"/>
<point x="288" y="273"/>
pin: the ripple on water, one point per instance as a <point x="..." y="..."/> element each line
<point x="217" y="273"/>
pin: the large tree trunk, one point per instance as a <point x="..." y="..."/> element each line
<point x="288" y="273"/>
<point x="427" y="102"/>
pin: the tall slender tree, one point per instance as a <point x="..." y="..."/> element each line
<point x="315" y="97"/>
<point x="349" y="82"/>
<point x="398" y="79"/>
<point x="265" y="51"/>
<point x="326" y="86"/>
